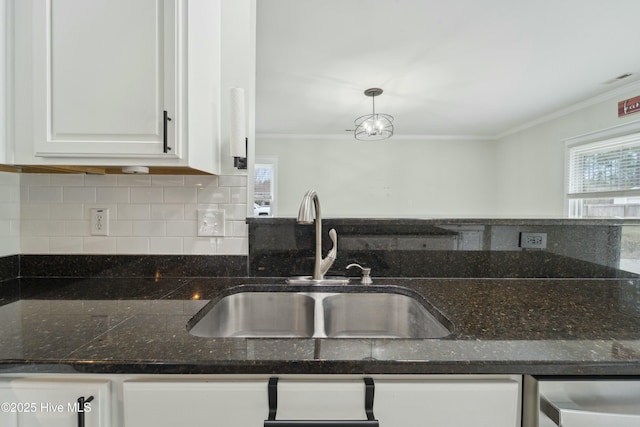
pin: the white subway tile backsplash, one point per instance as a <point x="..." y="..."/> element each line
<point x="182" y="228"/>
<point x="238" y="195"/>
<point x="238" y="228"/>
<point x="67" y="211"/>
<point x="65" y="245"/>
<point x="200" y="245"/>
<point x="112" y="195"/>
<point x="147" y="195"/>
<point x="134" y="180"/>
<point x="149" y="214"/>
<point x="34" y="227"/>
<point x="34" y="245"/>
<point x="30" y="211"/>
<point x="79" y="228"/>
<point x="134" y="212"/>
<point x="101" y="180"/>
<point x="167" y="180"/>
<point x="180" y="194"/>
<point x="78" y="194"/>
<point x="148" y="228"/>
<point x="191" y="210"/>
<point x="233" y="181"/>
<point x="237" y="212"/>
<point x="99" y="245"/>
<point x="165" y="245"/>
<point x="35" y="179"/>
<point x="132" y="245"/>
<point x="120" y="228"/>
<point x="233" y="246"/>
<point x="5" y="227"/>
<point x="37" y="194"/>
<point x="9" y="179"/>
<point x="5" y="193"/>
<point x="213" y="195"/>
<point x="67" y="180"/>
<point x="10" y="214"/>
<point x="168" y="211"/>
<point x="200" y="180"/>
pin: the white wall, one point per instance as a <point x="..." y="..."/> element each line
<point x="517" y="175"/>
<point x="530" y="164"/>
<point x="390" y="178"/>
<point x="149" y="214"/>
<point x="9" y="214"/>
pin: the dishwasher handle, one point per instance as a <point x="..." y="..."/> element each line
<point x="368" y="408"/>
<point x="566" y="414"/>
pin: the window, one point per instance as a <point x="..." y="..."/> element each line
<point x="264" y="196"/>
<point x="603" y="178"/>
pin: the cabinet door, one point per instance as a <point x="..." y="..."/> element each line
<point x="195" y="403"/>
<point x="104" y="72"/>
<point x="53" y="403"/>
<point x="444" y="403"/>
<point x="405" y="403"/>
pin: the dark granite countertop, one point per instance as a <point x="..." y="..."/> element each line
<point x="515" y="326"/>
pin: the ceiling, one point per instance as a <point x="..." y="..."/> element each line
<point x="447" y="67"/>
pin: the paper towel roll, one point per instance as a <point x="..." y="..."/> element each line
<point x="237" y="132"/>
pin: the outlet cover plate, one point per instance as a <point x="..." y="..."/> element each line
<point x="210" y="223"/>
<point x="99" y="222"/>
<point x="533" y="240"/>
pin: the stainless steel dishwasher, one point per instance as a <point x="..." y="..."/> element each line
<point x="576" y="402"/>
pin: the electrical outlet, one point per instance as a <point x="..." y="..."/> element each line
<point x="210" y="223"/>
<point x="99" y="222"/>
<point x="533" y="240"/>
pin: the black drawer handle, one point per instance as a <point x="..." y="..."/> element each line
<point x="81" y="407"/>
<point x="368" y="408"/>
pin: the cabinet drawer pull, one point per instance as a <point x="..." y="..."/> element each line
<point x="165" y="137"/>
<point x="368" y="408"/>
<point x="81" y="404"/>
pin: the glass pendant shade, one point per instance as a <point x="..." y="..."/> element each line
<point x="374" y="126"/>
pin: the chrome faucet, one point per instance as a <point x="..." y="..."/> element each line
<point x="309" y="208"/>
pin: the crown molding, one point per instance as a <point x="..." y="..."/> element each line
<point x="613" y="93"/>
<point x="349" y="137"/>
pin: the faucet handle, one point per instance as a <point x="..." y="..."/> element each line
<point x="366" y="273"/>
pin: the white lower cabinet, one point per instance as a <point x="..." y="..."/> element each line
<point x="61" y="402"/>
<point x="158" y="403"/>
<point x="443" y="401"/>
<point x="448" y="402"/>
<point x="243" y="400"/>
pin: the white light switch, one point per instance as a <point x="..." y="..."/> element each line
<point x="210" y="222"/>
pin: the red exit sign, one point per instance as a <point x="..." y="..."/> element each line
<point x="629" y="106"/>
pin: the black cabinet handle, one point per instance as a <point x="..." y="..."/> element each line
<point x="368" y="408"/>
<point x="165" y="137"/>
<point x="81" y="402"/>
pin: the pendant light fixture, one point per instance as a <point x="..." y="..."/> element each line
<point x="374" y="126"/>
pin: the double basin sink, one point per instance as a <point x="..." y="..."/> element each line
<point x="312" y="312"/>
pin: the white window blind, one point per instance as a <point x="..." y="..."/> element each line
<point x="609" y="168"/>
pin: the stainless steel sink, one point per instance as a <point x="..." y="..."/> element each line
<point x="379" y="315"/>
<point x="259" y="314"/>
<point x="308" y="313"/>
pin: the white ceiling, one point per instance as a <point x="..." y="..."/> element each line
<point x="447" y="67"/>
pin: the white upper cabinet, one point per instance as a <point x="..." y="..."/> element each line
<point x="118" y="82"/>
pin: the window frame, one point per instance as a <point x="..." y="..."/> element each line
<point x="615" y="136"/>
